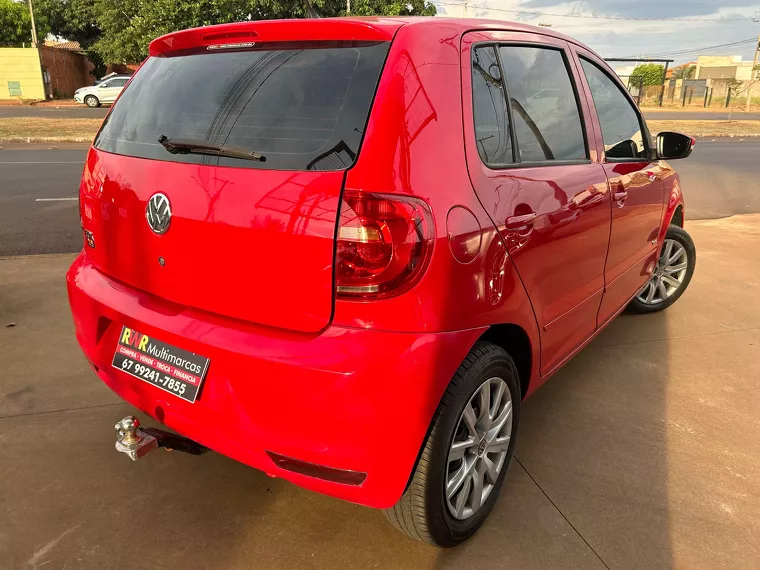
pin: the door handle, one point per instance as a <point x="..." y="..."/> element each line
<point x="620" y="196"/>
<point x="520" y="223"/>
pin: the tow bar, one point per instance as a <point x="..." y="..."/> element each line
<point x="137" y="442"/>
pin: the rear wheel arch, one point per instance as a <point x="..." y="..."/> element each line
<point x="421" y="512"/>
<point x="677" y="219"/>
<point x="516" y="342"/>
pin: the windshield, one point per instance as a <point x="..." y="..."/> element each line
<point x="302" y="106"/>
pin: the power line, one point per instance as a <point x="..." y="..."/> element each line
<point x="534" y="13"/>
<point x="705" y="48"/>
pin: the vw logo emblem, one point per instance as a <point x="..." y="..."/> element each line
<point x="158" y="213"/>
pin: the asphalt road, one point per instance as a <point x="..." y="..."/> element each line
<point x="719" y="179"/>
<point x="64" y="112"/>
<point x="668" y="115"/>
<point x="51" y="226"/>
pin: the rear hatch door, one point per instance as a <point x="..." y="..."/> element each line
<point x="249" y="239"/>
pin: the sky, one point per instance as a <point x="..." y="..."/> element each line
<point x="616" y="28"/>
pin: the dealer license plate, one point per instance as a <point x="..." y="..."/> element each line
<point x="172" y="369"/>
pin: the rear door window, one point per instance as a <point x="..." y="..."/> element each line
<point x="304" y="107"/>
<point x="545" y="114"/>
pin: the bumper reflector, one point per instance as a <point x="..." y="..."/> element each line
<point x="343" y="476"/>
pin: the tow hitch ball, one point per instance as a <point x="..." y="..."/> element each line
<point x="136" y="442"/>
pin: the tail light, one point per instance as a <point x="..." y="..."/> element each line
<point x="384" y="244"/>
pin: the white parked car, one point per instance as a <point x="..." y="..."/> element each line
<point x="105" y="92"/>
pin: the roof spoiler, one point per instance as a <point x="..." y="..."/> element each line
<point x="246" y="34"/>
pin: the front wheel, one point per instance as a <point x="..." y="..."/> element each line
<point x="466" y="456"/>
<point x="91" y="101"/>
<point x="672" y="275"/>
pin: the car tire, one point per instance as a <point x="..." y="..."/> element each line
<point x="424" y="511"/>
<point x="92" y="101"/>
<point x="677" y="261"/>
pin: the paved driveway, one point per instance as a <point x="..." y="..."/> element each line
<point x="641" y="453"/>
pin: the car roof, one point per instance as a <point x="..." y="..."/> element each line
<point x="481" y="24"/>
<point x="370" y="28"/>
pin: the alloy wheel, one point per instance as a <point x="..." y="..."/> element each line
<point x="479" y="448"/>
<point x="668" y="276"/>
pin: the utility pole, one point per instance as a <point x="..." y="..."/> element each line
<point x="348" y="7"/>
<point x="465" y="9"/>
<point x="755" y="73"/>
<point x="34" y="28"/>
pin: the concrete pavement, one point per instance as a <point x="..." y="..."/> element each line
<point x="641" y="453"/>
<point x="720" y="179"/>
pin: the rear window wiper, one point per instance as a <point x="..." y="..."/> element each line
<point x="191" y="146"/>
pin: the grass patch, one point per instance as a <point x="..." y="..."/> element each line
<point x="34" y="129"/>
<point x="707" y="128"/>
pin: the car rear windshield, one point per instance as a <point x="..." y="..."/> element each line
<point x="302" y="106"/>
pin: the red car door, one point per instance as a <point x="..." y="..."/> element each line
<point x="635" y="179"/>
<point x="527" y="134"/>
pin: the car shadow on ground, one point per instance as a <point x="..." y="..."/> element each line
<point x="593" y="439"/>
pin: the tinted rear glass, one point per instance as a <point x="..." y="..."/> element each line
<point x="302" y="107"/>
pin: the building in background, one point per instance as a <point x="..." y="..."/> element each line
<point x="21" y="74"/>
<point x="65" y="68"/>
<point x="55" y="69"/>
<point x="723" y="67"/>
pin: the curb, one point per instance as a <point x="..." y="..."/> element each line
<point x="38" y="256"/>
<point x="57" y="106"/>
<point x="37" y="140"/>
<point x="725" y="136"/>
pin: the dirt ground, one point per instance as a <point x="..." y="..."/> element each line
<point x="707" y="128"/>
<point x="35" y="129"/>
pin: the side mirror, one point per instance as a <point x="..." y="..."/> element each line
<point x="674" y="145"/>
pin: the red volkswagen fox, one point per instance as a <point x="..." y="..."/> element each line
<point x="344" y="251"/>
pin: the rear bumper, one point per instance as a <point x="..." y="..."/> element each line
<point x="353" y="399"/>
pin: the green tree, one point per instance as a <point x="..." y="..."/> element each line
<point x="73" y="20"/>
<point x="70" y="19"/>
<point x="15" y="24"/>
<point x="648" y="74"/>
<point x="127" y="26"/>
<point x="684" y="72"/>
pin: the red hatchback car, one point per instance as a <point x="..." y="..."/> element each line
<point x="344" y="251"/>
